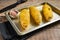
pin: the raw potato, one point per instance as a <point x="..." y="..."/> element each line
<point x="36" y="15"/>
<point x="47" y="12"/>
<point x="24" y="19"/>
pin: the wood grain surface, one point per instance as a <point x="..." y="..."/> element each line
<point x="51" y="32"/>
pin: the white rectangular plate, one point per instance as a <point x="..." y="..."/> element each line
<point x="55" y="18"/>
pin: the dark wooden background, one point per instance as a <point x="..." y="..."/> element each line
<point x="52" y="32"/>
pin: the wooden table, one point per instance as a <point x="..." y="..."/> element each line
<point x="52" y="32"/>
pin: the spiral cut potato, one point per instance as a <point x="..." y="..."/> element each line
<point x="47" y="12"/>
<point x="24" y="19"/>
<point x="36" y="15"/>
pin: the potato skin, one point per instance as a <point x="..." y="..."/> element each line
<point x="36" y="15"/>
<point x="24" y="19"/>
<point x="47" y="12"/>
